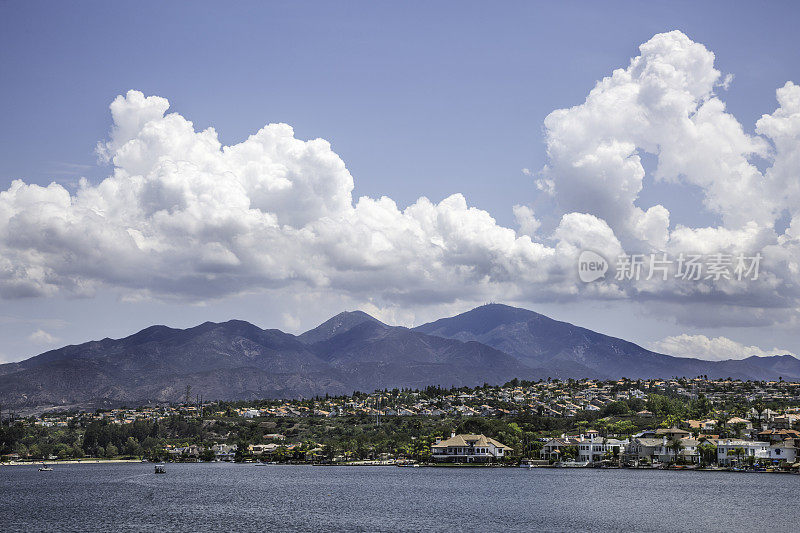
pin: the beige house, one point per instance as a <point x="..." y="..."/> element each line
<point x="468" y="449"/>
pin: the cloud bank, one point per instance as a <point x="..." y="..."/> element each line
<point x="712" y="349"/>
<point x="183" y="217"/>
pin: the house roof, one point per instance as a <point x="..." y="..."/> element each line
<point x="464" y="440"/>
<point x="671" y="431"/>
<point x="644" y="441"/>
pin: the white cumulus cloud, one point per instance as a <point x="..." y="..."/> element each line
<point x="712" y="349"/>
<point x="182" y="216"/>
<point x="42" y="337"/>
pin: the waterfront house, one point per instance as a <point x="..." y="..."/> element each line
<point x="259" y="449"/>
<point x="191" y="451"/>
<point x="224" y="452"/>
<point x="732" y="451"/>
<point x="679" y="450"/>
<point x="643" y="449"/>
<point x="468" y="449"/>
<point x="554" y="448"/>
<point x="595" y="449"/>
<point x="783" y="452"/>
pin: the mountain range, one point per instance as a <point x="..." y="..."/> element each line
<point x="351" y="351"/>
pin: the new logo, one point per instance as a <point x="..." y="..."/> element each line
<point x="591" y="266"/>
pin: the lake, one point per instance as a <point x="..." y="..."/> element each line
<point x="245" y="497"/>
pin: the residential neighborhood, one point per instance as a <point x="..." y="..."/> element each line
<point x="679" y="423"/>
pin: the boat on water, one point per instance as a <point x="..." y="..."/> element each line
<point x="573" y="464"/>
<point x="533" y="463"/>
<point x="161" y="469"/>
<point x="45" y="468"/>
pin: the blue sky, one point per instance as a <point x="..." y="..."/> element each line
<point x="419" y="99"/>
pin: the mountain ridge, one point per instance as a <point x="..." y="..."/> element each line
<point x="350" y="351"/>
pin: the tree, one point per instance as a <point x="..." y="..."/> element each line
<point x="676" y="446"/>
<point x="569" y="452"/>
<point x="34" y="452"/>
<point x="132" y="447"/>
<point x="207" y="454"/>
<point x="738" y="428"/>
<point x="708" y="453"/>
<point x="739" y="452"/>
<point x="615" y="409"/>
<point x="672" y="421"/>
<point x="420" y="448"/>
<point x="111" y="451"/>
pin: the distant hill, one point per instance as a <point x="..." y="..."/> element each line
<point x="237" y="360"/>
<point x="351" y="351"/>
<point x="563" y="350"/>
<point x="230" y="360"/>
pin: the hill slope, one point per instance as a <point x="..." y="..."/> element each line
<point x="565" y="350"/>
<point x="237" y="360"/>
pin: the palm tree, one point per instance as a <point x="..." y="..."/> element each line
<point x="708" y="453"/>
<point x="676" y="446"/>
<point x="739" y="452"/>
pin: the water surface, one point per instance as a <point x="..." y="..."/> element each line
<point x="245" y="497"/>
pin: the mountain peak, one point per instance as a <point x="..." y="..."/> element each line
<point x="479" y="320"/>
<point x="336" y="325"/>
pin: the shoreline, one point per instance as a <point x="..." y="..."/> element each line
<point x="388" y="464"/>
<point x="89" y="461"/>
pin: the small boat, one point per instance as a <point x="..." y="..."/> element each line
<point x="45" y="468"/>
<point x="573" y="464"/>
<point x="533" y="463"/>
<point x="160" y="469"/>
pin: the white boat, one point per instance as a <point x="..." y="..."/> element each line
<point x="532" y="463"/>
<point x="161" y="469"/>
<point x="45" y="468"/>
<point x="573" y="464"/>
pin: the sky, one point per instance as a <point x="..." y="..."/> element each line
<point x="280" y="162"/>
